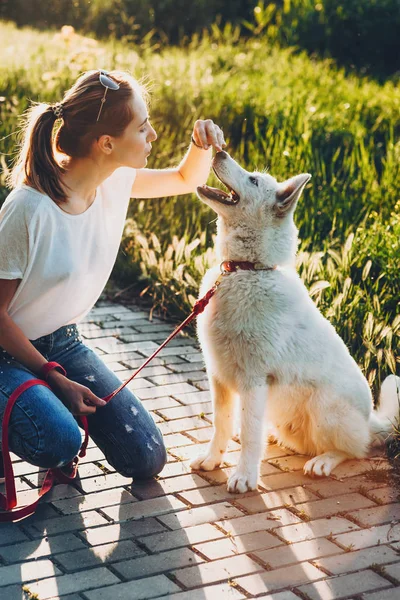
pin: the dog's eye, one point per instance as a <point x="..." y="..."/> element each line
<point x="253" y="180"/>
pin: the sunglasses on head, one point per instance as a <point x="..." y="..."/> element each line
<point x="109" y="84"/>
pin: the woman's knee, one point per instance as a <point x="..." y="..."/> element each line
<point x="146" y="461"/>
<point x="46" y="438"/>
<point x="61" y="450"/>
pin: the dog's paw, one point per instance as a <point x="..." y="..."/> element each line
<point x="321" y="466"/>
<point x="240" y="482"/>
<point x="205" y="462"/>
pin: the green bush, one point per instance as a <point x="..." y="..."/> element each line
<point x="361" y="34"/>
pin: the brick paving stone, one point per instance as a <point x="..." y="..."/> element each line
<point x="119" y="531"/>
<point x="145" y="508"/>
<point x="158" y="403"/>
<point x="175" y="440"/>
<point x="203" y="385"/>
<point x="377" y="515"/>
<point x="168" y="351"/>
<point x="196" y="516"/>
<point x="195" y="358"/>
<point x="295" y="462"/>
<point x="67" y="597"/>
<point x="222" y="475"/>
<point x="272" y="450"/>
<point x="153" y="489"/>
<point x="29" y="571"/>
<point x="289" y="554"/>
<point x="315" y="529"/>
<point x="120" y="369"/>
<point x="280" y="481"/>
<point x="192" y="451"/>
<point x="153" y="370"/>
<point x="89" y="501"/>
<point x="144" y="589"/>
<point x="357" y="560"/>
<point x="72" y="582"/>
<point x="183" y="425"/>
<point x="328" y="487"/>
<point x="99" y="555"/>
<point x="179" y="412"/>
<point x="374" y="536"/>
<point x="140" y="383"/>
<point x="289" y="496"/>
<point x="215" y="493"/>
<point x="393" y="571"/>
<point x="178" y="378"/>
<point x="369" y="467"/>
<point x="280" y="596"/>
<point x="103" y="481"/>
<point x="175" y="468"/>
<point x="113" y="346"/>
<point x="345" y="586"/>
<point x="38" y="527"/>
<point x="332" y="506"/>
<point x="216" y="571"/>
<point x="108" y="332"/>
<point x="157" y="563"/>
<point x="210" y="592"/>
<point x="390" y="594"/>
<point x="140" y="337"/>
<point x="131" y="359"/>
<point x="279" y="578"/>
<point x="154" y="328"/>
<point x="179" y="538"/>
<point x="165" y="390"/>
<point x="262" y="522"/>
<point x="11" y="534"/>
<point x="195" y="397"/>
<point x="241" y="544"/>
<point x="38" y="549"/>
<point x="184" y="367"/>
<point x="385" y="495"/>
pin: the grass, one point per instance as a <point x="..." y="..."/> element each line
<point x="281" y="111"/>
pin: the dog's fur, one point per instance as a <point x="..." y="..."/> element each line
<point x="264" y="340"/>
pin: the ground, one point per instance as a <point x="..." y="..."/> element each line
<point x="183" y="536"/>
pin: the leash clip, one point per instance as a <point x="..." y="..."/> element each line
<point x="227" y="266"/>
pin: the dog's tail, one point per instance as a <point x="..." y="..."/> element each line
<point x="386" y="416"/>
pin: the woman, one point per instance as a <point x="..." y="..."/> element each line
<point x="60" y="229"/>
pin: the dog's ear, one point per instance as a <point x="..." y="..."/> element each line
<point x="289" y="192"/>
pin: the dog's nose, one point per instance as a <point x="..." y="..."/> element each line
<point x="222" y="154"/>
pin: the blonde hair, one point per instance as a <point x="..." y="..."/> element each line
<point x="36" y="164"/>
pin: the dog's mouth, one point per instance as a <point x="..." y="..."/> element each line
<point x="220" y="195"/>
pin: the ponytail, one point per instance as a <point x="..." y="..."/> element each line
<point x="36" y="165"/>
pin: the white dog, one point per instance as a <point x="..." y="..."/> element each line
<point x="264" y="339"/>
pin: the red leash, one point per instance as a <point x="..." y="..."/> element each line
<point x="8" y="502"/>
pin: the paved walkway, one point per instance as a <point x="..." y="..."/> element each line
<point x="184" y="536"/>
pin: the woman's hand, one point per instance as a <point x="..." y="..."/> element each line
<point x="77" y="398"/>
<point x="207" y="133"/>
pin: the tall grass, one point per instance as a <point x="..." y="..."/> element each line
<point x="280" y="111"/>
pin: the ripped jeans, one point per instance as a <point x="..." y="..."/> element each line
<point x="44" y="432"/>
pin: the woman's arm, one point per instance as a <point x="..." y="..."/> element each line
<point x="78" y="399"/>
<point x="191" y="172"/>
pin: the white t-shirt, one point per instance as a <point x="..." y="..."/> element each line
<point x="63" y="260"/>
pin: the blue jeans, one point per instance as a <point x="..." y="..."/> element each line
<point x="44" y="432"/>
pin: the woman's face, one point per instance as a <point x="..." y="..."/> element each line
<point x="133" y="147"/>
